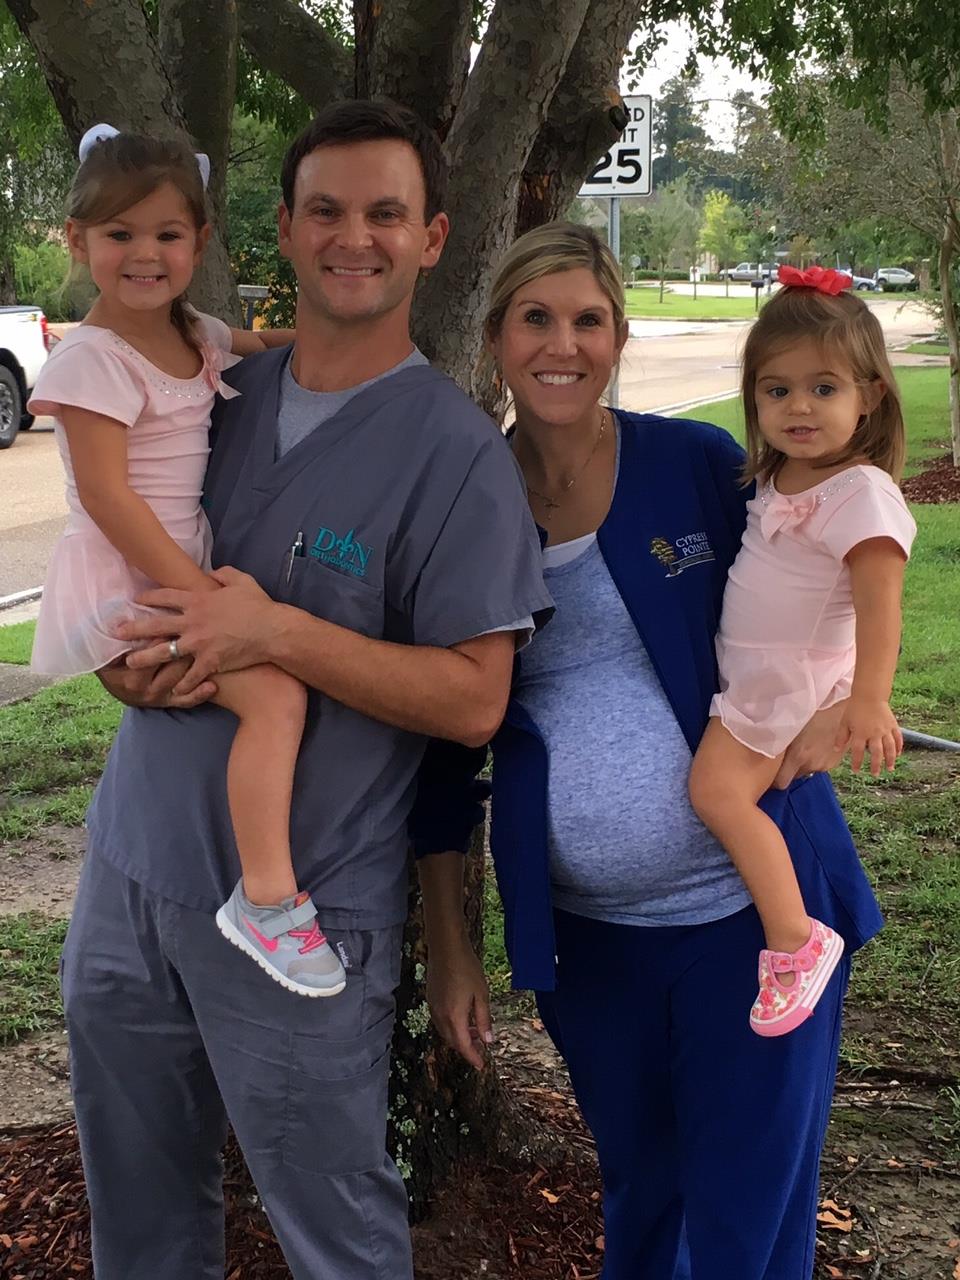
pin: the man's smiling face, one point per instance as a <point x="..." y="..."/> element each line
<point x="357" y="235"/>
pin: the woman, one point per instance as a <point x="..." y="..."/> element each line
<point x="621" y="911"/>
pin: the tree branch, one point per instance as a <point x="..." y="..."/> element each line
<point x="417" y="52"/>
<point x="284" y="39"/>
<point x="581" y="123"/>
<point x="524" y="54"/>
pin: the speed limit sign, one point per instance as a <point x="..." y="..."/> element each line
<point x="625" y="169"/>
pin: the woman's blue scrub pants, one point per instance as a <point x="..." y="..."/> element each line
<point x="708" y="1135"/>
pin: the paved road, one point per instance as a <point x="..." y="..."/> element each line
<point x="693" y="362"/>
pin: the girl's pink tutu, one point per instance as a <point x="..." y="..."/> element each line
<point x="786" y="644"/>
<point x="89" y="586"/>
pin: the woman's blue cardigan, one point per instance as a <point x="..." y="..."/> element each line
<point x="672" y="532"/>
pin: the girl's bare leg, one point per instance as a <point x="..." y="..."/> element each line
<point x="270" y="707"/>
<point x="726" y="781"/>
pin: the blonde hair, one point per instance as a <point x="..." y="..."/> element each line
<point x="839" y="323"/>
<point x="121" y="171"/>
<point x="544" y="251"/>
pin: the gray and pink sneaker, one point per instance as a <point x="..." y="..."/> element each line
<point x="285" y="941"/>
<point x="779" y="1008"/>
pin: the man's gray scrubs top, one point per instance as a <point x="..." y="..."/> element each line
<point x="415" y="529"/>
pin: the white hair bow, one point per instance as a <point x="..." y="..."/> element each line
<point x="104" y="132"/>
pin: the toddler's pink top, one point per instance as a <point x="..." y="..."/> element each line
<point x="786" y="644"/>
<point x="89" y="586"/>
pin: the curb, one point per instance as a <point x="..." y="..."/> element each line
<point x="668" y="410"/>
<point x="20" y="597"/>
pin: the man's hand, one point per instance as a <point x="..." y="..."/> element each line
<point x="223" y="630"/>
<point x="814" y="749"/>
<point x="459" y="1000"/>
<point x="869" y="728"/>
<point x="152" y="687"/>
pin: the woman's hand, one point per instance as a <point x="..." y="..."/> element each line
<point x="814" y="749"/>
<point x="459" y="999"/>
<point x="869" y="727"/>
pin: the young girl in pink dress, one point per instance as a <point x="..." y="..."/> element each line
<point x="811" y="612"/>
<point x="131" y="390"/>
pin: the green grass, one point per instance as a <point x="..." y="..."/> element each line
<point x="644" y="304"/>
<point x="52" y="749"/>
<point x="30" y="948"/>
<point x="16" y="641"/>
<point x="928" y="349"/>
<point x="905" y="828"/>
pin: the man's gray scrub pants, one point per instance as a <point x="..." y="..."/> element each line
<point x="173" y="1032"/>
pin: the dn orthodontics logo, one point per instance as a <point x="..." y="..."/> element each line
<point x="341" y="553"/>
<point x="691" y="549"/>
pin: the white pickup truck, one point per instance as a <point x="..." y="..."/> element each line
<point x="24" y="340"/>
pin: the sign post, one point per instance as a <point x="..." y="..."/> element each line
<point x="624" y="170"/>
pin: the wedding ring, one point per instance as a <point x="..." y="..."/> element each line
<point x="174" y="650"/>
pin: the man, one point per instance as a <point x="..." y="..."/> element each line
<point x="382" y="553"/>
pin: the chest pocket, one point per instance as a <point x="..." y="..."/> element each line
<point x="333" y="596"/>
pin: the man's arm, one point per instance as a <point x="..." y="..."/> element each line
<point x="153" y="686"/>
<point x="458" y="693"/>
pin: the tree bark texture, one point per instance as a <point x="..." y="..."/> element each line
<point x="101" y="62"/>
<point x="284" y="39"/>
<point x="417" y="52"/>
<point x="441" y="1110"/>
<point x="508" y="94"/>
<point x="584" y="119"/>
<point x="198" y="46"/>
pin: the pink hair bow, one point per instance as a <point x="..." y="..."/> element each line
<point x="823" y="279"/>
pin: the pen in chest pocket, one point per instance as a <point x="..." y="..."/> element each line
<point x="295" y="550"/>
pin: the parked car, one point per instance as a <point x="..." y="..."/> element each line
<point x="747" y="271"/>
<point x="866" y="283"/>
<point x="895" y="278"/>
<point x="24" y="340"/>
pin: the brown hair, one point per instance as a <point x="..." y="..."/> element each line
<point x="370" y="120"/>
<point x="840" y="323"/>
<point x="121" y="171"/>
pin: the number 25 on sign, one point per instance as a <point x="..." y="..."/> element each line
<point x="625" y="169"/>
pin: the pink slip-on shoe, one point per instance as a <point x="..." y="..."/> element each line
<point x="779" y="1009"/>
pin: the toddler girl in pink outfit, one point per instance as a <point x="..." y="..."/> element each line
<point x="811" y="612"/>
<point x="131" y="390"/>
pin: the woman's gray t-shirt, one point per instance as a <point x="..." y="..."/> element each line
<point x="625" y="844"/>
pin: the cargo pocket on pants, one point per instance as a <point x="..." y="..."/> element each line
<point x="335" y="1125"/>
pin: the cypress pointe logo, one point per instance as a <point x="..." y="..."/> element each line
<point x="684" y="553"/>
<point x="344" y="553"/>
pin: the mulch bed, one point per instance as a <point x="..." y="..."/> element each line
<point x="940" y="482"/>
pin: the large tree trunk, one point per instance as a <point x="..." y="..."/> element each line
<point x="586" y="114"/>
<point x="441" y="1110"/>
<point x="101" y="62"/>
<point x="417" y="52"/>
<point x="527" y="45"/>
<point x="198" y="46"/>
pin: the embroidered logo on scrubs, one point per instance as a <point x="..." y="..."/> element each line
<point x="691" y="549"/>
<point x="344" y="553"/>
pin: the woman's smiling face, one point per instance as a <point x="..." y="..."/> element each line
<point x="557" y="346"/>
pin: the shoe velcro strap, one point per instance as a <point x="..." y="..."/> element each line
<point x="283" y="921"/>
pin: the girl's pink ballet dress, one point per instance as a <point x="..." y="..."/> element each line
<point x="89" y="586"/>
<point x="786" y="644"/>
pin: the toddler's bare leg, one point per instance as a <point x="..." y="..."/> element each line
<point x="726" y="781"/>
<point x="270" y="706"/>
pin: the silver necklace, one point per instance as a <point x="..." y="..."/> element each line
<point x="552" y="504"/>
